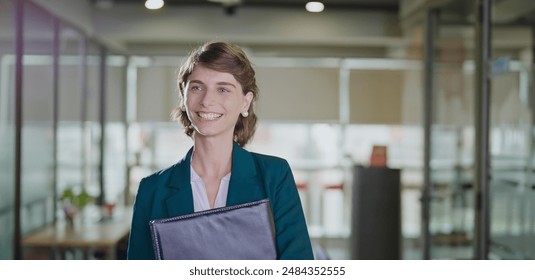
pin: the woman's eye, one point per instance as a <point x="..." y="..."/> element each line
<point x="195" y="88"/>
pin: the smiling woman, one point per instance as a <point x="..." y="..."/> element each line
<point x="218" y="88"/>
<point x="213" y="102"/>
<point x="230" y="64"/>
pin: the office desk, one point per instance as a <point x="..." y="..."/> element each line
<point x="103" y="236"/>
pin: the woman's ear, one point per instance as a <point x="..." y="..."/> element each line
<point x="181" y="104"/>
<point x="181" y="92"/>
<point x="248" y="99"/>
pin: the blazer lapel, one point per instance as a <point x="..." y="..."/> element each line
<point x="180" y="200"/>
<point x="245" y="184"/>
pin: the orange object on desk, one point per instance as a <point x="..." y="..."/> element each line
<point x="379" y="156"/>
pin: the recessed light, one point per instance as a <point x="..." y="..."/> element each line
<point x="153" y="4"/>
<point x="314" y="7"/>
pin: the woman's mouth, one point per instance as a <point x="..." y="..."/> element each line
<point x="208" y="116"/>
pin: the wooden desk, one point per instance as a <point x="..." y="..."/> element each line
<point x="87" y="237"/>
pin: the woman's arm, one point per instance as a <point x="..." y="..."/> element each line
<point x="292" y="239"/>
<point x="140" y="241"/>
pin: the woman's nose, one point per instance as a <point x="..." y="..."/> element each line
<point x="208" y="98"/>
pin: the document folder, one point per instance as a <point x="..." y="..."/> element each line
<point x="239" y="232"/>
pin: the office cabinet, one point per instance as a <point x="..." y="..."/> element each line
<point x="376" y="214"/>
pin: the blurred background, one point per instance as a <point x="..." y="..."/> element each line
<point x="408" y="124"/>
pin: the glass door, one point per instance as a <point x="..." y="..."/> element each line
<point x="466" y="118"/>
<point x="449" y="80"/>
<point x="512" y="207"/>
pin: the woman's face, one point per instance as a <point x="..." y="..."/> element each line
<point x="214" y="101"/>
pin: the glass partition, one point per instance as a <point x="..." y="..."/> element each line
<point x="452" y="147"/>
<point x="512" y="215"/>
<point x="115" y="163"/>
<point x="37" y="128"/>
<point x="71" y="94"/>
<point x="511" y="227"/>
<point x="91" y="127"/>
<point x="7" y="127"/>
<point x="69" y="131"/>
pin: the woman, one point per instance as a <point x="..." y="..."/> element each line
<point x="217" y="86"/>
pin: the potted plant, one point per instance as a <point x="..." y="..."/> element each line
<point x="74" y="203"/>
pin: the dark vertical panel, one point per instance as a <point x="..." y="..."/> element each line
<point x="482" y="103"/>
<point x="83" y="73"/>
<point x="429" y="59"/>
<point x="83" y="110"/>
<point x="102" y="119"/>
<point x="19" y="47"/>
<point x="130" y="117"/>
<point x="125" y="121"/>
<point x="376" y="214"/>
<point x="55" y="85"/>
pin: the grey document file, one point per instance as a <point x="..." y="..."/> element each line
<point x="239" y="232"/>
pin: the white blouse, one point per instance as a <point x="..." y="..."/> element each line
<point x="200" y="198"/>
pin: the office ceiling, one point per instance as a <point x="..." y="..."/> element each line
<point x="273" y="27"/>
<point x="384" y="5"/>
<point x="364" y="28"/>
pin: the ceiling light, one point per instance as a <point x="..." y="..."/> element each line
<point x="153" y="4"/>
<point x="314" y="7"/>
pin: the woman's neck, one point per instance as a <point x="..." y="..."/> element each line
<point x="212" y="159"/>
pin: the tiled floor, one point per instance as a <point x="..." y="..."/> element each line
<point x="339" y="249"/>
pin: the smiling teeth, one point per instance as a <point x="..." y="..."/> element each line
<point x="209" y="116"/>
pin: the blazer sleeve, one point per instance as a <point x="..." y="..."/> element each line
<point x="292" y="239"/>
<point x="140" y="241"/>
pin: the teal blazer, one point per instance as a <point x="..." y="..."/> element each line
<point x="167" y="193"/>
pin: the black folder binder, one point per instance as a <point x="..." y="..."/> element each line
<point x="240" y="232"/>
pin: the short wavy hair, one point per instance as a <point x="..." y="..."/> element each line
<point x="228" y="58"/>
